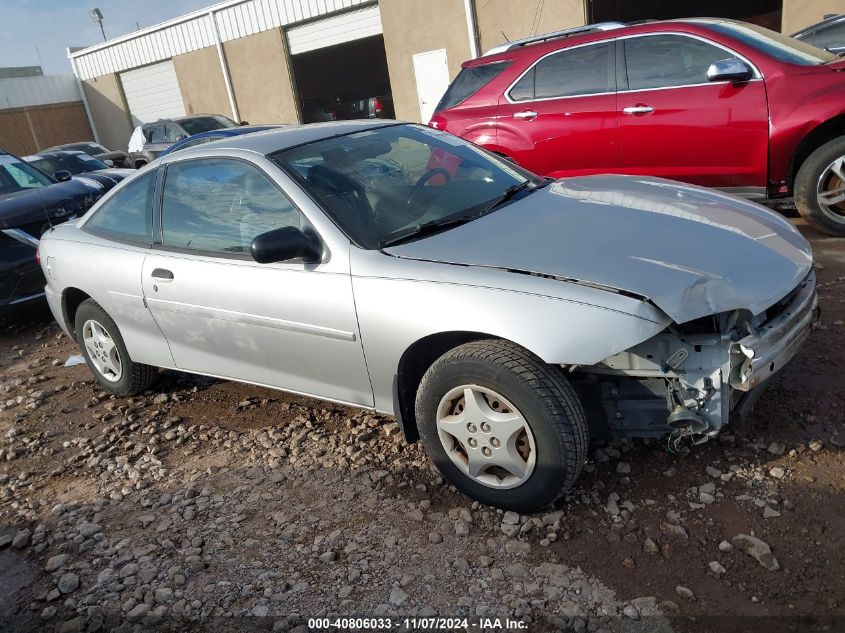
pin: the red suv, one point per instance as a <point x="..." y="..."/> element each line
<point x="711" y="102"/>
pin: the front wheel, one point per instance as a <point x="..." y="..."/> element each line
<point x="820" y="188"/>
<point x="501" y="425"/>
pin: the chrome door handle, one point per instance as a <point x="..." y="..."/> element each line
<point x="162" y="274"/>
<point x="525" y="114"/>
<point x="638" y="109"/>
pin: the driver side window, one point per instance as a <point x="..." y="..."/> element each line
<point x="219" y="205"/>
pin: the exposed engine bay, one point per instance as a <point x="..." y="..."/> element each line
<point x="687" y="382"/>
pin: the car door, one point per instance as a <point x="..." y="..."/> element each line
<point x="559" y="117"/>
<point x="289" y="325"/>
<point x="674" y="123"/>
<point x="113" y="265"/>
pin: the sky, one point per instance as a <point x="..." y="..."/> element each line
<point x="53" y="25"/>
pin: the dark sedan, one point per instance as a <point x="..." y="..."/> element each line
<point x="115" y="157"/>
<point x="60" y="165"/>
<point x="30" y="201"/>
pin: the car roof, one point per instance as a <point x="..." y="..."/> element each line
<point x="281" y="138"/>
<point x="56" y="152"/>
<point x="566" y="41"/>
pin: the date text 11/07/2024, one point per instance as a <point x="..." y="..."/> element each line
<point x="417" y="624"/>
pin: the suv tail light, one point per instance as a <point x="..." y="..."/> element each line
<point x="437" y="122"/>
<point x="377" y="106"/>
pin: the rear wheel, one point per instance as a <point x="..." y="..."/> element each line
<point x="820" y="188"/>
<point x="106" y="354"/>
<point x="502" y="426"/>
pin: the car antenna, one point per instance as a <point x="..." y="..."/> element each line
<point x="41" y="197"/>
<point x="505" y="36"/>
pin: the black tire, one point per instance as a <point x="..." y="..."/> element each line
<point x="826" y="220"/>
<point x="135" y="377"/>
<point x="542" y="395"/>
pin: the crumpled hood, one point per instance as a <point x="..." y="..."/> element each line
<point x="692" y="251"/>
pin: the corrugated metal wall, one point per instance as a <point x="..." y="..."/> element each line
<point x="22" y="92"/>
<point x="236" y="18"/>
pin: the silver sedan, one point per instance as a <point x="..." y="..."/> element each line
<point x="503" y="319"/>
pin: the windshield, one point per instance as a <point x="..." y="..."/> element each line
<point x="17" y="175"/>
<point x="380" y="184"/>
<point x="74" y="163"/>
<point x="200" y="124"/>
<point x="781" y="47"/>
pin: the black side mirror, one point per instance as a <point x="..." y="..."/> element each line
<point x="732" y="69"/>
<point x="280" y="245"/>
<point x="62" y="175"/>
<point x="244" y="122"/>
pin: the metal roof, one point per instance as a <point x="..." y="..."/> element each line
<point x="232" y="19"/>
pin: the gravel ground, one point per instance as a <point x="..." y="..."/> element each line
<point x="210" y="505"/>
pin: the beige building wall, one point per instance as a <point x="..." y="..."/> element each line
<point x="521" y="19"/>
<point x="413" y="26"/>
<point x="27" y="130"/>
<point x="109" y="110"/>
<point x="201" y="82"/>
<point x="800" y="13"/>
<point x="261" y="78"/>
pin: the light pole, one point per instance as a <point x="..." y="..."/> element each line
<point x="97" y="16"/>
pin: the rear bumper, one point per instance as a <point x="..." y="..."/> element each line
<point x="755" y="358"/>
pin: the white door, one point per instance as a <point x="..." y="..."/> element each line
<point x="431" y="70"/>
<point x="152" y="93"/>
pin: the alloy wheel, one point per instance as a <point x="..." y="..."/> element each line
<point x="102" y="350"/>
<point x="830" y="190"/>
<point x="486" y="437"/>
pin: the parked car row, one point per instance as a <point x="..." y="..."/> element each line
<point x="31" y="201"/>
<point x="706" y="101"/>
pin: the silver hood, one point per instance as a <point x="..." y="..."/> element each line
<point x="692" y="251"/>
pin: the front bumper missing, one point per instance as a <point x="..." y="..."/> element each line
<point x="758" y="356"/>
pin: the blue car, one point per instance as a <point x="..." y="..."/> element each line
<point x="215" y="135"/>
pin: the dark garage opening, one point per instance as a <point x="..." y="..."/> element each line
<point x="342" y="74"/>
<point x="766" y="13"/>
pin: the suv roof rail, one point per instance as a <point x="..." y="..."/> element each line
<point x="600" y="26"/>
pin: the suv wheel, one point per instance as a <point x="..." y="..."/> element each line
<point x="106" y="354"/>
<point x="820" y="188"/>
<point x="501" y="425"/>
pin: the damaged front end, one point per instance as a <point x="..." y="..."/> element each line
<point x="688" y="381"/>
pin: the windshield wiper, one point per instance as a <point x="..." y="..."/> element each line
<point x="435" y="226"/>
<point x="509" y="193"/>
<point x="427" y="228"/>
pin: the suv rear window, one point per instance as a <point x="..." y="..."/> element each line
<point x="468" y="82"/>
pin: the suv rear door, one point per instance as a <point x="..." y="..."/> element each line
<point x="559" y="117"/>
<point x="676" y="124"/>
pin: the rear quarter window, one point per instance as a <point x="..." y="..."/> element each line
<point x="127" y="216"/>
<point x="469" y="81"/>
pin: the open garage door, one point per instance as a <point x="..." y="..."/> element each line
<point x="340" y="67"/>
<point x="152" y="93"/>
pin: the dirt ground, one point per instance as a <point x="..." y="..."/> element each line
<point x="206" y="504"/>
